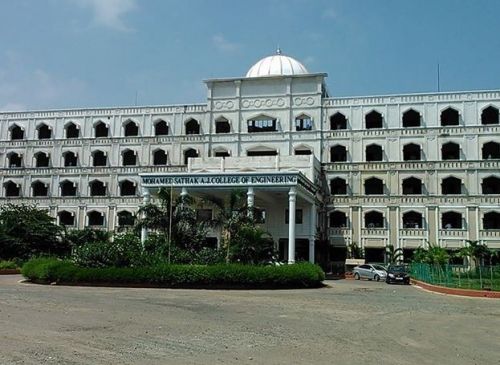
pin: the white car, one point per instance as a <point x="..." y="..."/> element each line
<point x="370" y="272"/>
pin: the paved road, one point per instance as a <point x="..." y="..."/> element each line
<point x="350" y="323"/>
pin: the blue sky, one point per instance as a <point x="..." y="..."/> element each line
<point x="84" y="53"/>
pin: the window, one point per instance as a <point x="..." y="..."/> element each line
<point x="42" y="159"/>
<point x="303" y="123"/>
<point x="374" y="219"/>
<point x="95" y="218"/>
<point x="411" y="118"/>
<point x="189" y="153"/>
<point x="451" y="220"/>
<point x="491" y="220"/>
<point x="338" y="121"/>
<point x="222" y="153"/>
<point x="127" y="188"/>
<point x="12" y="189"/>
<point x="161" y="128"/>
<point x="99" y="158"/>
<point x="302" y="151"/>
<point x="373" y="120"/>
<point x="489" y="115"/>
<point x="450" y="151"/>
<point x="66" y="218"/>
<point x="192" y="127"/>
<point x="374" y="186"/>
<point x="101" y="130"/>
<point x="222" y="125"/>
<point x="449" y="117"/>
<point x="451" y="185"/>
<point x="68" y="188"/>
<point x="412" y="186"/>
<point x="129" y="158"/>
<point x="491" y="150"/>
<point x="298" y="216"/>
<point x="491" y="185"/>
<point x="70" y="159"/>
<point x="97" y="188"/>
<point x="40" y="189"/>
<point x="130" y="129"/>
<point x="160" y="158"/>
<point x="411" y="152"/>
<point x="338" y="219"/>
<point x="338" y="186"/>
<point x="44" y="131"/>
<point x="262" y="152"/>
<point x="125" y="219"/>
<point x="261" y="124"/>
<point x="16" y="132"/>
<point x="338" y="154"/>
<point x="203" y="215"/>
<point x="374" y="152"/>
<point x="15" y="160"/>
<point x="72" y="130"/>
<point x="412" y="219"/>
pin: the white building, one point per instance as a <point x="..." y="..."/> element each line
<point x="375" y="170"/>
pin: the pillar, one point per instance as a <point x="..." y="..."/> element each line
<point x="292" y="198"/>
<point x="250" y="201"/>
<point x="146" y="198"/>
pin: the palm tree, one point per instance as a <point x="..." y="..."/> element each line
<point x="474" y="251"/>
<point x="393" y="255"/>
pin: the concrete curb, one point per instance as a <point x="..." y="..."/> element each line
<point x="459" y="292"/>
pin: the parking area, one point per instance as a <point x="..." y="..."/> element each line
<point x="348" y="323"/>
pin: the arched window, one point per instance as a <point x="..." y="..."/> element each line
<point x="451" y="185"/>
<point x="68" y="188"/>
<point x="412" y="186"/>
<point x="99" y="158"/>
<point x="491" y="185"/>
<point x="302" y="151"/>
<point x="450" y="151"/>
<point x="15" y="159"/>
<point x="125" y="219"/>
<point x="491" y="150"/>
<point x="127" y="188"/>
<point x="489" y="115"/>
<point x="374" y="186"/>
<point x="373" y="120"/>
<point x="374" y="219"/>
<point x="338" y="219"/>
<point x="66" y="218"/>
<point x="42" y="159"/>
<point x="44" y="131"/>
<point x="160" y="158"/>
<point x="491" y="220"/>
<point x="130" y="129"/>
<point x="262" y="123"/>
<point x="374" y="152"/>
<point x="411" y="152"/>
<point x="222" y="125"/>
<point x="161" y="128"/>
<point x="411" y="118"/>
<point x="338" y="186"/>
<point x="129" y="158"/>
<point x="12" y="189"/>
<point x="192" y="126"/>
<point x="338" y="153"/>
<point x="189" y="153"/>
<point x="262" y="151"/>
<point x="95" y="218"/>
<point x="338" y="121"/>
<point x="449" y="117"/>
<point x="412" y="219"/>
<point x="220" y="152"/>
<point x="70" y="159"/>
<point x="451" y="220"/>
<point x="101" y="130"/>
<point x="72" y="130"/>
<point x="303" y="123"/>
<point x="39" y="189"/>
<point x="97" y="188"/>
<point x="16" y="132"/>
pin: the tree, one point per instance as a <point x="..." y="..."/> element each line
<point x="354" y="251"/>
<point x="475" y="251"/>
<point x="393" y="255"/>
<point x="252" y="245"/>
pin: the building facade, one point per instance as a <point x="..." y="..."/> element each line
<point x="406" y="170"/>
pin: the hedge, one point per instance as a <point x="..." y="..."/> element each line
<point x="230" y="276"/>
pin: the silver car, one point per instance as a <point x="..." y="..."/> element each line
<point x="370" y="272"/>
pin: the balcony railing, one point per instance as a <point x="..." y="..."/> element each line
<point x="453" y="233"/>
<point x="374" y="231"/>
<point x="413" y="165"/>
<point x="412" y="200"/>
<point x="90" y="170"/>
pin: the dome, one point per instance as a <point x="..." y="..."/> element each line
<point x="277" y="65"/>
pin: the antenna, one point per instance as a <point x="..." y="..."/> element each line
<point x="278" y="49"/>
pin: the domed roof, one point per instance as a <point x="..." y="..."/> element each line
<point x="277" y="65"/>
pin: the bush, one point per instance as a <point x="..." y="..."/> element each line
<point x="4" y="265"/>
<point x="302" y="275"/>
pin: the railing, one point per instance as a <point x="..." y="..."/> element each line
<point x="374" y="231"/>
<point x="412" y="165"/>
<point x="90" y="170"/>
<point x="412" y="232"/>
<point x="339" y="232"/>
<point x="489" y="233"/>
<point x="453" y="233"/>
<point x="412" y="199"/>
<point x="54" y="200"/>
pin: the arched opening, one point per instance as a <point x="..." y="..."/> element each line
<point x="101" y="130"/>
<point x="66" y="218"/>
<point x="374" y="152"/>
<point x="491" y="150"/>
<point x="222" y="153"/>
<point x="161" y="128"/>
<point x="449" y="117"/>
<point x="125" y="219"/>
<point x="374" y="186"/>
<point x="97" y="188"/>
<point x="222" y="125"/>
<point x="411" y="118"/>
<point x="411" y="152"/>
<point x="261" y="124"/>
<point x="374" y="219"/>
<point x="338" y="121"/>
<point x="42" y="159"/>
<point x="302" y="151"/>
<point x="129" y="158"/>
<point x="44" y="131"/>
<point x="450" y="151"/>
<point x="373" y="120"/>
<point x="127" y="188"/>
<point x="338" y="219"/>
<point x="303" y="123"/>
<point x="68" y="188"/>
<point x="338" y="153"/>
<point x="412" y="186"/>
<point x="70" y="159"/>
<point x="451" y="185"/>
<point x="262" y="151"/>
<point x="491" y="220"/>
<point x="491" y="185"/>
<point x="16" y="132"/>
<point x="15" y="159"/>
<point x="72" y="130"/>
<point x="160" y="158"/>
<point x="489" y="115"/>
<point x="40" y="189"/>
<point x="192" y="127"/>
<point x="95" y="218"/>
<point x="189" y="153"/>
<point x="412" y="219"/>
<point x="338" y="186"/>
<point x="451" y="220"/>
<point x="12" y="189"/>
<point x="130" y="129"/>
<point x="99" y="158"/>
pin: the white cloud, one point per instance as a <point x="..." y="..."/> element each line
<point x="222" y="44"/>
<point x="110" y="13"/>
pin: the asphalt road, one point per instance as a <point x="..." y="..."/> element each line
<point x="349" y="323"/>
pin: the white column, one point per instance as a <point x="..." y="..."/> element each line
<point x="146" y="198"/>
<point x="250" y="201"/>
<point x="313" y="233"/>
<point x="292" y="197"/>
<point x="184" y="192"/>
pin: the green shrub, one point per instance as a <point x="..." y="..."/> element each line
<point x="4" y="265"/>
<point x="303" y="275"/>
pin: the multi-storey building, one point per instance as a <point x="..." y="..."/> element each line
<point x="404" y="170"/>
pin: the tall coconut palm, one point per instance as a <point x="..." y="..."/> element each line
<point x="393" y="255"/>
